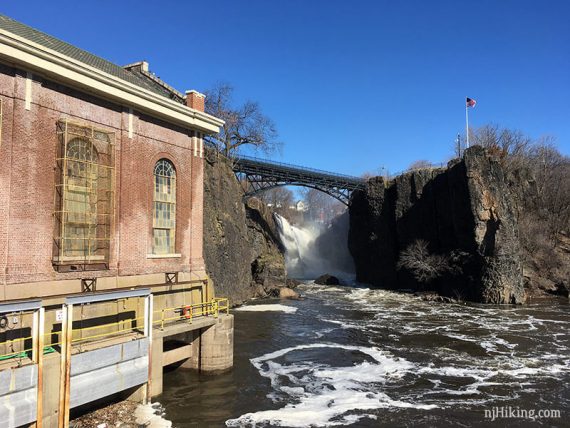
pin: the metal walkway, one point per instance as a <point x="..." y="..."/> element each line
<point x="263" y="174"/>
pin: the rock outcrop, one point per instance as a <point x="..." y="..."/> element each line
<point x="241" y="247"/>
<point x="327" y="279"/>
<point x="465" y="214"/>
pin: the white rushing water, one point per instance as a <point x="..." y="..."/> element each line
<point x="325" y="395"/>
<point x="266" y="308"/>
<point x="376" y="354"/>
<point x="362" y="357"/>
<point x="308" y="255"/>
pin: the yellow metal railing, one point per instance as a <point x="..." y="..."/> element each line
<point x="10" y="343"/>
<point x="182" y="313"/>
<point x="189" y="312"/>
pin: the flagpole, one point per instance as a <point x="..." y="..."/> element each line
<point x="466" y="123"/>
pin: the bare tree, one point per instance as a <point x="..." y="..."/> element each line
<point x="420" y="164"/>
<point x="380" y="172"/>
<point x="424" y="267"/>
<point x="282" y="201"/>
<point x="552" y="173"/>
<point x="321" y="206"/>
<point x="245" y="125"/>
<point x="277" y="197"/>
<point x="510" y="146"/>
<point x="551" y="170"/>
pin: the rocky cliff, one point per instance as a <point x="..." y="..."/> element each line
<point x="458" y="224"/>
<point x="241" y="247"/>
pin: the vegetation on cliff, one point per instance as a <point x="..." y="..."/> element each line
<point x="539" y="180"/>
<point x="241" y="247"/>
<point x="478" y="230"/>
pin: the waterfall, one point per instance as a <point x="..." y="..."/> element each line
<point x="312" y="251"/>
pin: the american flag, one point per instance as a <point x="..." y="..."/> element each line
<point x="470" y="102"/>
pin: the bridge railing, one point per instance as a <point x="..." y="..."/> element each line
<point x="272" y="163"/>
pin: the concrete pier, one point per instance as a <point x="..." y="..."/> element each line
<point x="206" y="345"/>
<point x="125" y="366"/>
<point x="217" y="346"/>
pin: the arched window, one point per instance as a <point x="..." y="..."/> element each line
<point x="84" y="197"/>
<point x="80" y="200"/>
<point x="164" y="208"/>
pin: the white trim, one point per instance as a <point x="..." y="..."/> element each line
<point x="195" y="143"/>
<point x="28" y="95"/>
<point x="201" y="147"/>
<point x="32" y="56"/>
<point x="163" y="256"/>
<point x="130" y="122"/>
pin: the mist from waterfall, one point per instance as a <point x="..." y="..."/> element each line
<point x="314" y="250"/>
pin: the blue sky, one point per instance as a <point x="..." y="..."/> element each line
<point x="352" y="86"/>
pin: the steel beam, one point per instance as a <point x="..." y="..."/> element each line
<point x="262" y="174"/>
<point x="103" y="297"/>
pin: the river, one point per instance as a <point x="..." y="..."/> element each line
<point x="360" y="357"/>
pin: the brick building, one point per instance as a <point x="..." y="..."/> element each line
<point x="101" y="181"/>
<point x="54" y="94"/>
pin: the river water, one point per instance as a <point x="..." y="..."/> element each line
<point x="360" y="357"/>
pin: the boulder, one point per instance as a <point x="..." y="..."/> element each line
<point x="287" y="293"/>
<point x="292" y="283"/>
<point x="327" y="279"/>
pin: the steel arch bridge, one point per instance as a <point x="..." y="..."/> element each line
<point x="263" y="174"/>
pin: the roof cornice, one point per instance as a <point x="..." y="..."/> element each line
<point x="59" y="67"/>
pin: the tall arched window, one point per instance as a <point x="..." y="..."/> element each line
<point x="84" y="197"/>
<point x="80" y="200"/>
<point x="164" y="208"/>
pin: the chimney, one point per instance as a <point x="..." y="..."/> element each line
<point x="137" y="66"/>
<point x="195" y="100"/>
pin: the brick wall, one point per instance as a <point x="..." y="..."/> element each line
<point x="27" y="163"/>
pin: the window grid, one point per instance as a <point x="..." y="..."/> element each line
<point x="84" y="196"/>
<point x="164" y="208"/>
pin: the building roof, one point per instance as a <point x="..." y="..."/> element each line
<point x="134" y="75"/>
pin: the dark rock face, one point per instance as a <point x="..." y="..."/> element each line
<point x="327" y="279"/>
<point x="465" y="213"/>
<point x="268" y="267"/>
<point x="241" y="248"/>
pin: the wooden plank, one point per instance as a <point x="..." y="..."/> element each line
<point x="149" y="311"/>
<point x="62" y="367"/>
<point x="40" y="344"/>
<point x="69" y="340"/>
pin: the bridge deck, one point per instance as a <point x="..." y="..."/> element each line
<point x="263" y="174"/>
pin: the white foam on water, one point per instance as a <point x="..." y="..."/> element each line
<point x="151" y="416"/>
<point x="326" y="395"/>
<point x="267" y="308"/>
<point x="344" y="323"/>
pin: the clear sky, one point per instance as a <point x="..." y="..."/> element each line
<point x="351" y="85"/>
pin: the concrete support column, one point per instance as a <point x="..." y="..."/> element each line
<point x="193" y="338"/>
<point x="217" y="345"/>
<point x="156" y="366"/>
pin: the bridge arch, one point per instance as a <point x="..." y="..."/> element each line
<point x="263" y="174"/>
